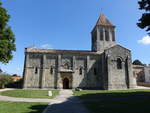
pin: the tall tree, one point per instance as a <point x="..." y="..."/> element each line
<point x="144" y="21"/>
<point x="7" y="38"/>
<point x="137" y="62"/>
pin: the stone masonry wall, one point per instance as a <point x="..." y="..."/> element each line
<point x="51" y="69"/>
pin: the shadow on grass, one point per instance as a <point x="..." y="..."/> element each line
<point x="37" y="108"/>
<point x="70" y="105"/>
<point x="117" y="102"/>
<point x="115" y="96"/>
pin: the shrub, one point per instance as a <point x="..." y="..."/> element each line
<point x="4" y="80"/>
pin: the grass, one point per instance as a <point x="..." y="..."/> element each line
<point x="22" y="107"/>
<point x="123" y="101"/>
<point x="29" y="93"/>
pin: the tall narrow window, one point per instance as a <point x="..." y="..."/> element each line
<point x="113" y="35"/>
<point x="94" y="36"/>
<point x="51" y="70"/>
<point x="119" y="63"/>
<point x="80" y="71"/>
<point x="36" y="70"/>
<point x="95" y="71"/>
<point x="106" y="35"/>
<point x="101" y="35"/>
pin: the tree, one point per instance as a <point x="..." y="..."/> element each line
<point x="137" y="62"/>
<point x="144" y="21"/>
<point x="4" y="80"/>
<point x="7" y="38"/>
<point x="1" y="70"/>
<point x="14" y="75"/>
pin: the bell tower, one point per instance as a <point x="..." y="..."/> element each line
<point x="103" y="34"/>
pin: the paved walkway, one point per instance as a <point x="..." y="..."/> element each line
<point x="65" y="96"/>
<point x="66" y="103"/>
<point x="14" y="99"/>
<point x="142" y="87"/>
<point x="6" y="89"/>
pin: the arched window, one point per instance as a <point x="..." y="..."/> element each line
<point x="36" y="70"/>
<point x="119" y="63"/>
<point x="51" y="70"/>
<point x="106" y="35"/>
<point x="80" y="71"/>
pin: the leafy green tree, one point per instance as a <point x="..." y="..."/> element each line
<point x="144" y="21"/>
<point x="7" y="38"/>
<point x="4" y="80"/>
<point x="137" y="62"/>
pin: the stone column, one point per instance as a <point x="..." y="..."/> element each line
<point x="88" y="63"/>
<point x="59" y="62"/>
<point x="43" y="71"/>
<point x="74" y="63"/>
<point x="104" y="40"/>
<point x="109" y="72"/>
<point x="132" y="81"/>
<point x="58" y="77"/>
<point x="74" y="71"/>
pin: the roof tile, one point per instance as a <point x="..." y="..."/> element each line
<point x="102" y="20"/>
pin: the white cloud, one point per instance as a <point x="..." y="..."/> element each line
<point x="145" y="40"/>
<point x="46" y="46"/>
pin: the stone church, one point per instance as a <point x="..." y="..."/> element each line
<point x="106" y="66"/>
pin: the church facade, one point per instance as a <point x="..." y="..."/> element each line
<point x="106" y="66"/>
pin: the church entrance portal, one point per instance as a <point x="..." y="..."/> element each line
<point x="65" y="83"/>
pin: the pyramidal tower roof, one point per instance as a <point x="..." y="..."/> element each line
<point x="102" y="20"/>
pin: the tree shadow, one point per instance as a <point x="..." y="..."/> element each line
<point x="37" y="108"/>
<point x="108" y="96"/>
<point x="117" y="102"/>
<point x="71" y="104"/>
<point x="105" y="102"/>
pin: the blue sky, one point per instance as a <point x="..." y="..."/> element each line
<point x="66" y="24"/>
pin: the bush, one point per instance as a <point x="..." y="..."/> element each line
<point x="4" y="80"/>
<point x="16" y="84"/>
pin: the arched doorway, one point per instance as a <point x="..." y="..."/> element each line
<point x="65" y="83"/>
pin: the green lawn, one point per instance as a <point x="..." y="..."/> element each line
<point x="125" y="101"/>
<point x="22" y="107"/>
<point x="29" y="93"/>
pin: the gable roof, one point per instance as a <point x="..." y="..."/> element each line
<point x="102" y="20"/>
<point x="117" y="45"/>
